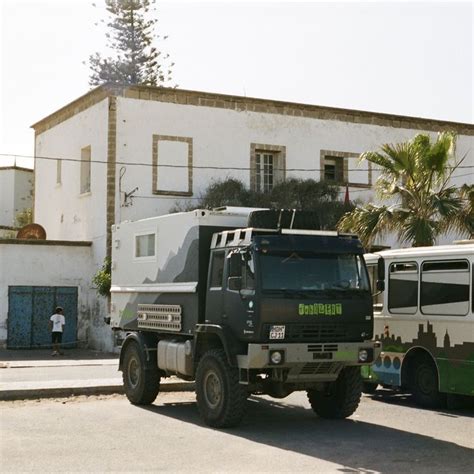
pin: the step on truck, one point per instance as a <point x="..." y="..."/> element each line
<point x="242" y="302"/>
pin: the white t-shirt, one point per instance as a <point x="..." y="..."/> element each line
<point x="58" y="322"/>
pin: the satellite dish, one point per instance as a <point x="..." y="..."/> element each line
<point x="32" y="232"/>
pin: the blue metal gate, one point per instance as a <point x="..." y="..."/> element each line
<point x="29" y="310"/>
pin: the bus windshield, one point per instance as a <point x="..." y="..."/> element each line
<point x="318" y="272"/>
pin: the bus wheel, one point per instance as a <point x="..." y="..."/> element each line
<point x="424" y="383"/>
<point x="220" y="398"/>
<point x="141" y="383"/>
<point x="341" y="398"/>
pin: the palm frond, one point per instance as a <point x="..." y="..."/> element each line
<point x="367" y="222"/>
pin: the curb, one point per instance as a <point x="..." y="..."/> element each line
<point x="56" y="363"/>
<point x="33" y="394"/>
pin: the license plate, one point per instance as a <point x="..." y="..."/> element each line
<point x="277" y="332"/>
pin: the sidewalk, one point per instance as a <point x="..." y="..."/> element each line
<point x="33" y="374"/>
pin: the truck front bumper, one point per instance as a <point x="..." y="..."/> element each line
<point x="309" y="362"/>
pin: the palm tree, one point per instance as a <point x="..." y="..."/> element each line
<point x="415" y="177"/>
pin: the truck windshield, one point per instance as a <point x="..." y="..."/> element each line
<point x="313" y="272"/>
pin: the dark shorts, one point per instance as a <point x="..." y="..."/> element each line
<point x="56" y="337"/>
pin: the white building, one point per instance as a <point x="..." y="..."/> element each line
<point x="167" y="145"/>
<point x="16" y="194"/>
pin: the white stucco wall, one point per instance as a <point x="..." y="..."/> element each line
<point x="222" y="137"/>
<point x="61" y="209"/>
<point x="16" y="187"/>
<point x="55" y="265"/>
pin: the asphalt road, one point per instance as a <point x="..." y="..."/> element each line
<point x="99" y="434"/>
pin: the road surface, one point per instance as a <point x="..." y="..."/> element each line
<point x="102" y="434"/>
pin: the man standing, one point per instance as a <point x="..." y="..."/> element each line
<point x="56" y="325"/>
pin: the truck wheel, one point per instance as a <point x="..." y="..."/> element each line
<point x="424" y="383"/>
<point x="141" y="383"/>
<point x="221" y="399"/>
<point x="342" y="397"/>
<point x="369" y="387"/>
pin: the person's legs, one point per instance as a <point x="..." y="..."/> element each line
<point x="54" y="340"/>
<point x="60" y="339"/>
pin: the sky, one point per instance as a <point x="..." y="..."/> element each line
<point x="399" y="57"/>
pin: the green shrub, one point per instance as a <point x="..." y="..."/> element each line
<point x="103" y="279"/>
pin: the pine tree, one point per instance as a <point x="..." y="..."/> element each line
<point x="135" y="59"/>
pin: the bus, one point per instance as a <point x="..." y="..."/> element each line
<point x="423" y="315"/>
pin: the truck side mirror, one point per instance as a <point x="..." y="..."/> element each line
<point x="235" y="265"/>
<point x="234" y="283"/>
<point x="381" y="274"/>
<point x="381" y="269"/>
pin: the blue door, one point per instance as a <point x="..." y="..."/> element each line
<point x="20" y="316"/>
<point x="29" y="310"/>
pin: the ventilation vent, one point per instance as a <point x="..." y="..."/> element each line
<point x="164" y="317"/>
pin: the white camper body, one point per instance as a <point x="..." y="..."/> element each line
<point x="163" y="257"/>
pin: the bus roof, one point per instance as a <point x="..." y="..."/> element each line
<point x="461" y="249"/>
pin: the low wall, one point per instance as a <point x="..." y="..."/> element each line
<point x="55" y="263"/>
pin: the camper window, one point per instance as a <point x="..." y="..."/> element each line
<point x="145" y="245"/>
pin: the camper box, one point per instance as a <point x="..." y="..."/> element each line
<point x="164" y="261"/>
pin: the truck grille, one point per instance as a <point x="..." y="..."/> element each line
<point x="319" y="332"/>
<point x="316" y="368"/>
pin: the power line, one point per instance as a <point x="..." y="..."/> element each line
<point x="229" y="168"/>
<point x="462" y="175"/>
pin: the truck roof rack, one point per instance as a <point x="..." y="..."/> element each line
<point x="236" y="238"/>
<point x="242" y="237"/>
<point x="280" y="219"/>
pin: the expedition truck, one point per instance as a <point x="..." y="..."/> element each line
<point x="243" y="302"/>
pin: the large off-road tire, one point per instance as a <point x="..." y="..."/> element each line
<point x="141" y="383"/>
<point x="424" y="383"/>
<point x="221" y="399"/>
<point x="341" y="397"/>
<point x="369" y="387"/>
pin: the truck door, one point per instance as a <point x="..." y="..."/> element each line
<point x="239" y="304"/>
<point x="214" y="306"/>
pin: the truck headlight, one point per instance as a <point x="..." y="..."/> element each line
<point x="363" y="355"/>
<point x="276" y="357"/>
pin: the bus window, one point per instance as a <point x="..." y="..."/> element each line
<point x="403" y="288"/>
<point x="445" y="288"/>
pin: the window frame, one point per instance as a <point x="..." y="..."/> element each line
<point x="85" y="180"/>
<point x="278" y="166"/>
<point x="155" y="165"/>
<point x="145" y="258"/>
<point x="339" y="174"/>
<point x="389" y="273"/>
<point x="211" y="273"/>
<point x="446" y="260"/>
<point x="346" y="158"/>
<point x="264" y="171"/>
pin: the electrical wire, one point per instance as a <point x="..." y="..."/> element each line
<point x="204" y="167"/>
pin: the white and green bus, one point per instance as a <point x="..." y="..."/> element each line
<point x="423" y="316"/>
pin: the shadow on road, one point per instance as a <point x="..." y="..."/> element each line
<point x="358" y="446"/>
<point x="457" y="405"/>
